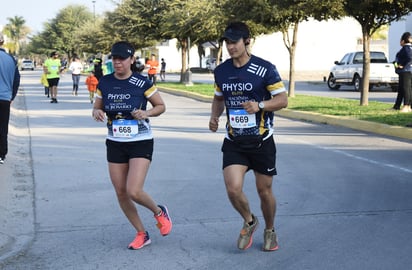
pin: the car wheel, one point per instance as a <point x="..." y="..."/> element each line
<point x="332" y="83"/>
<point x="394" y="88"/>
<point x="357" y="82"/>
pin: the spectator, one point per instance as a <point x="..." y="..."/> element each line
<point x="153" y="65"/>
<point x="91" y="82"/>
<point x="403" y="64"/>
<point x="52" y="68"/>
<point x="97" y="68"/>
<point x="138" y="66"/>
<point x="109" y="65"/>
<point x="45" y="83"/>
<point x="76" y="68"/>
<point x="9" y="85"/>
<point x="163" y="70"/>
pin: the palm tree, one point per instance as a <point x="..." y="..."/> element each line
<point x="17" y="31"/>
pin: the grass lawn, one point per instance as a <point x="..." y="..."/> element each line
<point x="374" y="112"/>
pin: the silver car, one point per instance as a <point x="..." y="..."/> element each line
<point x="27" y="64"/>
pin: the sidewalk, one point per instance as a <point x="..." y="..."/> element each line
<point x="17" y="187"/>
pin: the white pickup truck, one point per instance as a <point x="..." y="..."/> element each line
<point x="348" y="71"/>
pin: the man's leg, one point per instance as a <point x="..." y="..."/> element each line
<point x="267" y="199"/>
<point x="234" y="178"/>
<point x="4" y="127"/>
<point x="268" y="206"/>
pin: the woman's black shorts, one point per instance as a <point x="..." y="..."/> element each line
<point x="122" y="152"/>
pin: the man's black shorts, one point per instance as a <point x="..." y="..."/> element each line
<point x="261" y="159"/>
<point x="53" y="82"/>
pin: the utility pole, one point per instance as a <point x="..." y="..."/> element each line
<point x="188" y="81"/>
<point x="94" y="10"/>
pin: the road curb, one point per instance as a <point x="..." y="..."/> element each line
<point x="366" y="126"/>
<point x="383" y="129"/>
<point x="17" y="192"/>
<point x="183" y="93"/>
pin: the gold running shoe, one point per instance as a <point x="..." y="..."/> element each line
<point x="246" y="234"/>
<point x="270" y="240"/>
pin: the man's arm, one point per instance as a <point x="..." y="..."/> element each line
<point x="277" y="102"/>
<point x="16" y="83"/>
<point x="218" y="107"/>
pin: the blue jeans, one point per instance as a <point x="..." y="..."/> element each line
<point x="76" y="80"/>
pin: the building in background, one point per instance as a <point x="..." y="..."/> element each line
<point x="396" y="30"/>
<point x="319" y="44"/>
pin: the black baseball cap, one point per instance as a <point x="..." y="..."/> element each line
<point x="235" y="31"/>
<point x="122" y="49"/>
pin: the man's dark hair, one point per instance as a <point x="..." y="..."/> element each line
<point x="240" y="27"/>
<point x="138" y="66"/>
<point x="235" y="31"/>
<point x="406" y="37"/>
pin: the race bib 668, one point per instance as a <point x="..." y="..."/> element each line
<point x="125" y="128"/>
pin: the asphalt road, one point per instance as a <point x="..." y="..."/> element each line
<point x="344" y="196"/>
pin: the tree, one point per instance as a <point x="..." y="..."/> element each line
<point x="134" y="21"/>
<point x="268" y="16"/>
<point x="66" y="27"/>
<point x="371" y="15"/>
<point x="95" y="37"/>
<point x="17" y="31"/>
<point x="62" y="32"/>
<point x="145" y="22"/>
<point x="141" y="22"/>
<point x="288" y="14"/>
<point x="190" y="22"/>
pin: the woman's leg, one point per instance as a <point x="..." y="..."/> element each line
<point x="405" y="85"/>
<point x="408" y="88"/>
<point x="135" y="182"/>
<point x="118" y="175"/>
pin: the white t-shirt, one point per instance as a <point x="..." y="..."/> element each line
<point x="76" y="67"/>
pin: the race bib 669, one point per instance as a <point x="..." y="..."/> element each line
<point x="241" y="119"/>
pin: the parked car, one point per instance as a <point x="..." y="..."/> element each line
<point x="27" y="64"/>
<point x="211" y="64"/>
<point x="348" y="71"/>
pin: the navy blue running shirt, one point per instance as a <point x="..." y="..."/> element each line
<point x="258" y="80"/>
<point x="121" y="97"/>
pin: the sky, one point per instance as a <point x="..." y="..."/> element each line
<point x="37" y="12"/>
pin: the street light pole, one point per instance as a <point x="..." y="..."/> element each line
<point x="188" y="72"/>
<point x="94" y="10"/>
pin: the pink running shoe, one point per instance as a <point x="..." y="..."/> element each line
<point x="142" y="239"/>
<point x="164" y="222"/>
